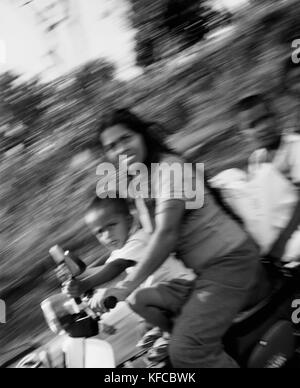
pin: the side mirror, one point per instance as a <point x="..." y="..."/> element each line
<point x="75" y="265"/>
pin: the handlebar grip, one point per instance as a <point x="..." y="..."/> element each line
<point x="110" y="302"/>
<point x="78" y="301"/>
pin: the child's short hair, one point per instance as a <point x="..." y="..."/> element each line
<point x="117" y="205"/>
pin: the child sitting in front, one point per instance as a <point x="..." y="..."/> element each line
<point x="111" y="222"/>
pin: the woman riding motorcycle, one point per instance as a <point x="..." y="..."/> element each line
<point x="210" y="242"/>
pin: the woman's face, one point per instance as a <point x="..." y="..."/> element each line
<point x="120" y="141"/>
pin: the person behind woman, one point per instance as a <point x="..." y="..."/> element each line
<point x="290" y="90"/>
<point x="206" y="239"/>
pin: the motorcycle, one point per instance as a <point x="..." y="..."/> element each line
<point x="81" y="337"/>
<point x="265" y="336"/>
<point x="262" y="337"/>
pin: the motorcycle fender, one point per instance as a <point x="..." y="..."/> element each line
<point x="88" y="353"/>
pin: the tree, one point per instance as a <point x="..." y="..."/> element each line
<point x="22" y="101"/>
<point x="166" y="23"/>
<point x="187" y="18"/>
<point x="91" y="77"/>
<point x="145" y="48"/>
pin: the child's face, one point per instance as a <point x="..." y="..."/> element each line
<point x="259" y="126"/>
<point x="110" y="228"/>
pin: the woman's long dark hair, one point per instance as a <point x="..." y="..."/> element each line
<point x="154" y="145"/>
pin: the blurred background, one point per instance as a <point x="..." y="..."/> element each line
<point x="63" y="63"/>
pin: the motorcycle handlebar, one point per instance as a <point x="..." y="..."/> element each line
<point x="78" y="301"/>
<point x="110" y="302"/>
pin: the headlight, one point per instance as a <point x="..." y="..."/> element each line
<point x="59" y="312"/>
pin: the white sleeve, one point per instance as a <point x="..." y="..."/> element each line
<point x="294" y="161"/>
<point x="133" y="249"/>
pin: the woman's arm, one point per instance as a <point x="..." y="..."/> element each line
<point x="162" y="243"/>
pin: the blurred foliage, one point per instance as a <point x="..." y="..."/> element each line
<point x="168" y="26"/>
<point x="98" y="72"/>
<point x="21" y="106"/>
<point x="46" y="184"/>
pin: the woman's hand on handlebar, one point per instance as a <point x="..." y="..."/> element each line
<point x="119" y="292"/>
<point x="97" y="303"/>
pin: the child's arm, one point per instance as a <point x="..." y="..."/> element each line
<point x="106" y="273"/>
<point x="109" y="272"/>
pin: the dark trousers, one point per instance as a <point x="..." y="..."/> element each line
<point x="205" y="314"/>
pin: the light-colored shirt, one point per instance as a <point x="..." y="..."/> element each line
<point x="133" y="250"/>
<point x="287" y="158"/>
<point x="287" y="161"/>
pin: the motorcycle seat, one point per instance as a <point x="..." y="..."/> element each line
<point x="266" y="321"/>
